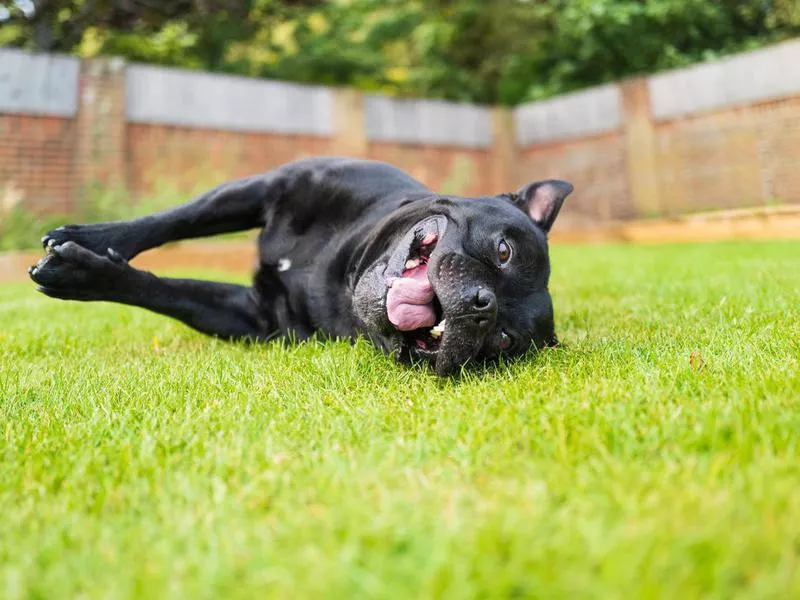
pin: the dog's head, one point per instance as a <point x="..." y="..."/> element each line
<point x="463" y="278"/>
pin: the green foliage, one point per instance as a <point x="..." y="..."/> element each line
<point x="21" y="229"/>
<point x="654" y="455"/>
<point x="499" y="51"/>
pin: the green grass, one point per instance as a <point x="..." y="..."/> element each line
<point x="608" y="468"/>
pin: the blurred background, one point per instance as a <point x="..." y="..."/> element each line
<point x="675" y="119"/>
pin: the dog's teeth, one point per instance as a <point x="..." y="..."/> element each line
<point x="429" y="239"/>
<point x="438" y="330"/>
<point x="412" y="263"/>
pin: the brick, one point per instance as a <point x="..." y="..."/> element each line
<point x="33" y="154"/>
<point x="446" y="169"/>
<point x="595" y="166"/>
<point x="725" y="158"/>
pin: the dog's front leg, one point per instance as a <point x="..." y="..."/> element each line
<point x="234" y="206"/>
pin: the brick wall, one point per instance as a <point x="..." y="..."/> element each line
<point x="148" y="129"/>
<point x="186" y="158"/>
<point x="714" y="136"/>
<point x="734" y="158"/>
<point x="100" y="127"/>
<point x="36" y="160"/>
<point x="596" y="166"/>
<point x="445" y="169"/>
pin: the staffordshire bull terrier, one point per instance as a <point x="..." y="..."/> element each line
<point x="347" y="248"/>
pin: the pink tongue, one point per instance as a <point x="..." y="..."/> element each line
<point x="409" y="301"/>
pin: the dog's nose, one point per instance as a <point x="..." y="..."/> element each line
<point x="485" y="301"/>
<point x="485" y="305"/>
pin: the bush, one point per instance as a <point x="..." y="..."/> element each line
<point x="21" y="228"/>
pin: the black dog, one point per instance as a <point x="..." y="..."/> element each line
<point x="347" y="248"/>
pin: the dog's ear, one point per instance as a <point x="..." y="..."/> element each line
<point x="542" y="200"/>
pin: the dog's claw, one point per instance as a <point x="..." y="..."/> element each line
<point x="116" y="256"/>
<point x="48" y="239"/>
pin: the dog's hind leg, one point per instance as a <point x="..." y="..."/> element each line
<point x="234" y="206"/>
<point x="71" y="272"/>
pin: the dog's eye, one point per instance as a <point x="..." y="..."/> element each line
<point x="505" y="340"/>
<point x="503" y="251"/>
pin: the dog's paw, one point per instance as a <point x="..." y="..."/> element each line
<point x="95" y="237"/>
<point x="72" y="272"/>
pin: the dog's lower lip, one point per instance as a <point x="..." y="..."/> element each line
<point x="423" y="343"/>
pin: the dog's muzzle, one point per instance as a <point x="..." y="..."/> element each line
<point x="439" y="301"/>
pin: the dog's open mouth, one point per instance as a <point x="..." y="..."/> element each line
<point x="424" y="340"/>
<point x="412" y="305"/>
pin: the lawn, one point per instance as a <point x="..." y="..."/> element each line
<point x="655" y="454"/>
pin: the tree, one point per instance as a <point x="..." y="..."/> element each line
<point x="487" y="51"/>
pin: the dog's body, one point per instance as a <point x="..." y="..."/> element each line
<point x="347" y="248"/>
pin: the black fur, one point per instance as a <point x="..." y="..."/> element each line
<point x="334" y="233"/>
